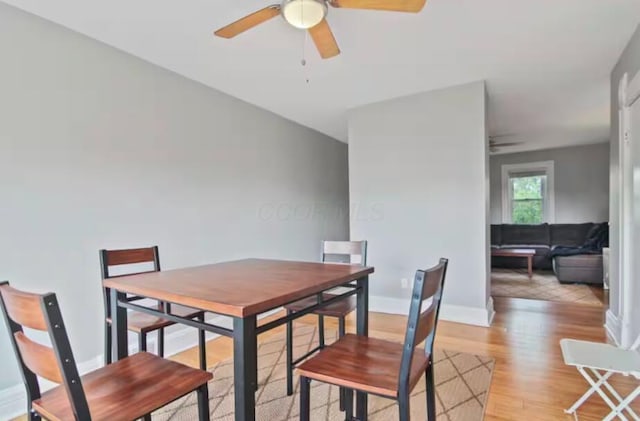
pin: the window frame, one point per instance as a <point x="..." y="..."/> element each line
<point x="548" y="198"/>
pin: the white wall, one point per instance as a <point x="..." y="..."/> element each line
<point x="581" y="175"/>
<point x="628" y="63"/>
<point x="99" y="149"/>
<point x="634" y="292"/>
<point x="418" y="172"/>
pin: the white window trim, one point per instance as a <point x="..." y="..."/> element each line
<point x="544" y="166"/>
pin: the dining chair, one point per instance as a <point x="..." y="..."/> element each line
<point x="141" y="323"/>
<point x="332" y="252"/>
<point x="381" y="367"/>
<point x="129" y="389"/>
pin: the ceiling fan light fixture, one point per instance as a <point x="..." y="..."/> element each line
<point x="304" y="14"/>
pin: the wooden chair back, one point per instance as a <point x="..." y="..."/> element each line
<point x="56" y="363"/>
<point x="421" y="325"/>
<point x="344" y="251"/>
<point x="111" y="258"/>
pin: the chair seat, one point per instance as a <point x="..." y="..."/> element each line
<point x="340" y="308"/>
<point x="126" y="390"/>
<point x="367" y="364"/>
<point x="600" y="356"/>
<point x="142" y="323"/>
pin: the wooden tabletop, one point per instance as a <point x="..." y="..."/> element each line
<point x="513" y="252"/>
<point x="240" y="288"/>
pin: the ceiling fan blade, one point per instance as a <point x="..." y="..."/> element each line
<point x="411" y="6"/>
<point x="505" y="144"/>
<point x="324" y="40"/>
<point x="498" y="136"/>
<point x="248" y="22"/>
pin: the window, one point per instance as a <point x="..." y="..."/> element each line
<point x="527" y="196"/>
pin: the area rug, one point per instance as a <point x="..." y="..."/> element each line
<point x="542" y="286"/>
<point x="462" y="385"/>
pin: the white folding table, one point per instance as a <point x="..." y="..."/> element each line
<point x="597" y="362"/>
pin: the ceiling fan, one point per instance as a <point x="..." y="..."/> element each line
<point x="494" y="146"/>
<point x="311" y="14"/>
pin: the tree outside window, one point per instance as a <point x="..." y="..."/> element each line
<point x="527" y="203"/>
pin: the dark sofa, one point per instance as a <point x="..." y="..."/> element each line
<point x="543" y="238"/>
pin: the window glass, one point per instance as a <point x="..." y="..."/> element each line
<point x="527" y="204"/>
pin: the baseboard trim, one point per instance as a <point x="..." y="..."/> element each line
<point x="389" y="305"/>
<point x="476" y="316"/>
<point x="491" y="312"/>
<point x="613" y="326"/>
<point x="13" y="400"/>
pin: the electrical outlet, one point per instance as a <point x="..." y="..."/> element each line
<point x="404" y="283"/>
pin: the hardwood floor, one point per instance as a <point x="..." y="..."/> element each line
<point x="530" y="381"/>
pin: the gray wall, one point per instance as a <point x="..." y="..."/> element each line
<point x="99" y="149"/>
<point x="581" y="176"/>
<point x="629" y="63"/>
<point x="417" y="171"/>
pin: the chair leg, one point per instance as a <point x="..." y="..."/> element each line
<point x="341" y="333"/>
<point x="305" y="397"/>
<point x="403" y="405"/>
<point x="589" y="392"/>
<point x="431" y="392"/>
<point x="624" y="405"/>
<point x="142" y="342"/>
<point x="202" y="345"/>
<point x="161" y="343"/>
<point x="203" y="402"/>
<point x="33" y="415"/>
<point x="289" y="356"/>
<point x="107" y="344"/>
<point x="321" y="330"/>
<point x="591" y="375"/>
<point x="348" y="404"/>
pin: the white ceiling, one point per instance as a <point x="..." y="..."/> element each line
<point x="546" y="62"/>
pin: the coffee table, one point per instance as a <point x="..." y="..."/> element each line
<point x="528" y="253"/>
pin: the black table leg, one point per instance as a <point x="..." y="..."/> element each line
<point x="362" y="328"/>
<point x="119" y="326"/>
<point x="245" y="366"/>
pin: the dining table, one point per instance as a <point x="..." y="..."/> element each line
<point x="241" y="290"/>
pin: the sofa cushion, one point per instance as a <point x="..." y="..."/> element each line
<point x="570" y="235"/>
<point x="583" y="268"/>
<point x="496" y="235"/>
<point x="580" y="260"/>
<point x="526" y="234"/>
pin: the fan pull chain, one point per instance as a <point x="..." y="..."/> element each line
<point x="303" y="62"/>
